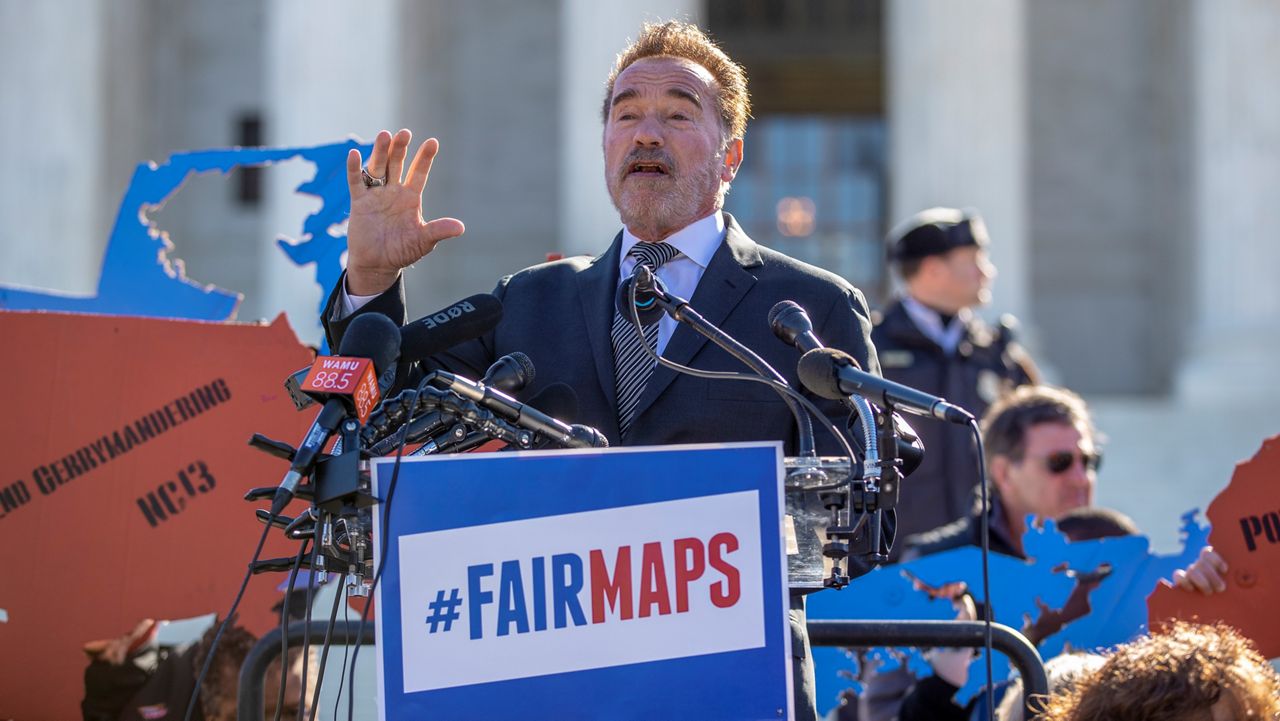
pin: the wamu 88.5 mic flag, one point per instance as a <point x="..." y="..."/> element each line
<point x="370" y="336"/>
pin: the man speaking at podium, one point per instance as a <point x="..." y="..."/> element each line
<point x="674" y="120"/>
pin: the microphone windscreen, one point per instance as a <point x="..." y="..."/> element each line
<point x="373" y="336"/>
<point x="510" y="373"/>
<point x="646" y="306"/>
<point x="788" y="320"/>
<point x="818" y="368"/>
<point x="782" y="306"/>
<point x="440" y="331"/>
<point x="557" y="400"/>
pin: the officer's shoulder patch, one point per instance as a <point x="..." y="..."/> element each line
<point x="896" y="359"/>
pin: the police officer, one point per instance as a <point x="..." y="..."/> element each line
<point x="929" y="338"/>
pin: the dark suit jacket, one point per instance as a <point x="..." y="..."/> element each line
<point x="560" y="314"/>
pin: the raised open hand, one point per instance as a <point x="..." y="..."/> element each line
<point x="386" y="231"/>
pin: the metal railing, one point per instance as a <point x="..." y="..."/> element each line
<point x="954" y="634"/>
<point x="254" y="671"/>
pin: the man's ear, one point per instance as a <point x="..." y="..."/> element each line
<point x="732" y="160"/>
<point x="1000" y="472"/>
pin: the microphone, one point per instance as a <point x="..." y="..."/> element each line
<point x="653" y="300"/>
<point x="791" y="324"/>
<point x="558" y="400"/>
<point x="649" y="290"/>
<point x="371" y="336"/>
<point x="523" y="415"/>
<point x="510" y="373"/>
<point x="834" y="374"/>
<point x="440" y="331"/>
<point x="293" y="386"/>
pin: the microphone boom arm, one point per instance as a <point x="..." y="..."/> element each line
<point x="679" y="309"/>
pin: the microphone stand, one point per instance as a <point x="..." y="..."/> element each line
<point x="644" y="281"/>
<point x="868" y="494"/>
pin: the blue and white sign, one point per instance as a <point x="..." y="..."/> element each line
<point x="634" y="583"/>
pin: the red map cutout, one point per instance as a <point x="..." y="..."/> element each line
<point x="1246" y="532"/>
<point x="122" y="478"/>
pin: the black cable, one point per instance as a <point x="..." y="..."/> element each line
<point x="324" y="653"/>
<point x="284" y="628"/>
<point x="986" y="569"/>
<point x="346" y="651"/>
<point x="208" y="659"/>
<point x="382" y="562"/>
<point x="306" y="629"/>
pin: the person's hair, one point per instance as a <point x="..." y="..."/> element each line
<point x="1064" y="671"/>
<point x="683" y="40"/>
<point x="221" y="685"/>
<point x="220" y="692"/>
<point x="1004" y="427"/>
<point x="908" y="267"/>
<point x="1089" y="523"/>
<point x="1178" y="674"/>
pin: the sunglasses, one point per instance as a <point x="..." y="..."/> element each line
<point x="1061" y="461"/>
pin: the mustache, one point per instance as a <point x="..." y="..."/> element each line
<point x="648" y="155"/>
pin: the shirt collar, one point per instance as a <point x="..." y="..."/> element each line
<point x="929" y="321"/>
<point x="697" y="241"/>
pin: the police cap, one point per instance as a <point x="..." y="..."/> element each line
<point x="936" y="231"/>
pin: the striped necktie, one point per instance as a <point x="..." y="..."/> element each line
<point x="632" y="366"/>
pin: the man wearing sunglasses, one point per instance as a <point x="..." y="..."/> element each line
<point x="1042" y="460"/>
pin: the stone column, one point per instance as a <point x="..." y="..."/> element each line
<point x="332" y="71"/>
<point x="1234" y="347"/>
<point x="957" y="116"/>
<point x="54" y="230"/>
<point x="592" y="34"/>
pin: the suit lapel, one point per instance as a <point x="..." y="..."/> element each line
<point x="723" y="285"/>
<point x="597" y="285"/>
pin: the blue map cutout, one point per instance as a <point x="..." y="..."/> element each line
<point x="137" y="277"/>
<point x="1115" y="576"/>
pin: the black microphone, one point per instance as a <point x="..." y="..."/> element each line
<point x="371" y="335"/>
<point x="791" y="324"/>
<point x="559" y="400"/>
<point x="522" y="414"/>
<point x="510" y="373"/>
<point x="440" y="331"/>
<point x="834" y="374"/>
<point x="649" y="289"/>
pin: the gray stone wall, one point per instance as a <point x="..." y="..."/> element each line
<point x="205" y="67"/>
<point x="1110" y="216"/>
<point x="483" y="77"/>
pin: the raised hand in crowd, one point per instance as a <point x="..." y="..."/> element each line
<point x="1207" y="574"/>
